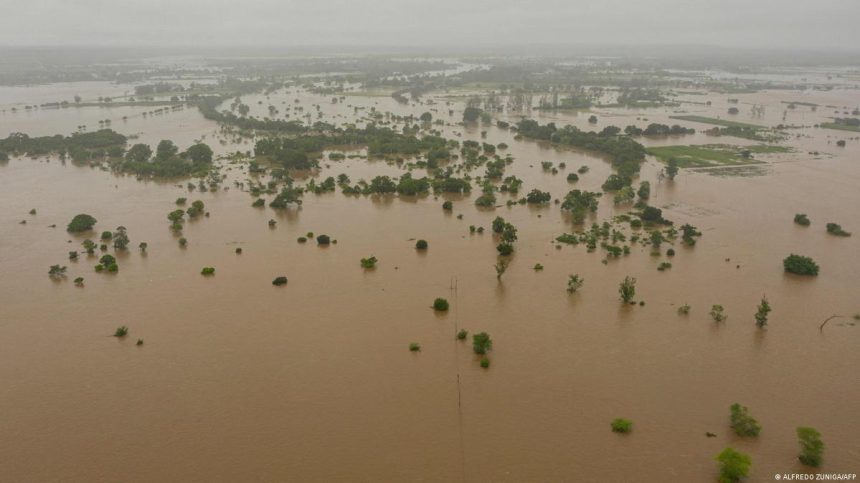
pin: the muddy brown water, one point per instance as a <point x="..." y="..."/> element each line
<point x="239" y="380"/>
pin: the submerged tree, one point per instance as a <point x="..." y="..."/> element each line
<point x="742" y="423"/>
<point x="574" y="283"/>
<point x="761" y="313"/>
<point x="734" y="465"/>
<point x="481" y="343"/>
<point x="79" y="223"/>
<point x="501" y="266"/>
<point x="811" y="446"/>
<point x="627" y="289"/>
<point x="718" y="313"/>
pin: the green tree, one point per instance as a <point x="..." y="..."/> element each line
<point x="481" y="343"/>
<point x="139" y="153"/>
<point x="742" y="423"/>
<point x="501" y="266"/>
<point x="627" y="289"/>
<point x="811" y="446"/>
<point x="199" y="154"/>
<point x="800" y="265"/>
<point x="761" y="313"/>
<point x="574" y="283"/>
<point x="165" y="150"/>
<point x="734" y="465"/>
<point x="79" y="223"/>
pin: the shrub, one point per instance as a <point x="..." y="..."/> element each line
<point x="208" y="271"/>
<point x="801" y="219"/>
<point x="282" y="280"/>
<point x="258" y="203"/>
<point x="79" y="281"/>
<point x="421" y="244"/>
<point x="106" y="236"/>
<point x="761" y="313"/>
<point x="107" y="260"/>
<point x="183" y="242"/>
<point x="485" y="363"/>
<point x="800" y="265"/>
<point x="572" y="177"/>
<point x="481" y="343"/>
<point x="181" y="201"/>
<point x="139" y="342"/>
<point x="505" y="249"/>
<point x="79" y="223"/>
<point x="462" y="334"/>
<point x="734" y="465"/>
<point x="368" y="262"/>
<point x="836" y="229"/>
<point x="301" y="239"/>
<point x="238" y="250"/>
<point x="718" y="313"/>
<point x="440" y="304"/>
<point x="414" y="347"/>
<point x="684" y="309"/>
<point x="574" y="283"/>
<point x="664" y="266"/>
<point x="447" y="206"/>
<point x="121" y="331"/>
<point x="621" y="425"/>
<point x="811" y="446"/>
<point x="742" y="423"/>
<point x="57" y="271"/>
<point x="323" y="240"/>
<point x="670" y="252"/>
<point x="627" y="289"/>
<point x="538" y="267"/>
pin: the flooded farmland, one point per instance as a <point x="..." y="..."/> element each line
<point x="237" y="379"/>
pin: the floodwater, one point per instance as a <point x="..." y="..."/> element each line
<point x="239" y="380"/>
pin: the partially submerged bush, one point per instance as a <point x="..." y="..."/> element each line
<point x="323" y="240"/>
<point x="282" y="280"/>
<point x="801" y="219"/>
<point x="718" y="313"/>
<point x="208" y="271"/>
<point x="574" y="283"/>
<point x="800" y="265"/>
<point x="421" y="244"/>
<point x="481" y="343"/>
<point x="447" y="206"/>
<point x="485" y="363"/>
<point x="369" y="262"/>
<point x="462" y="334"/>
<point x="79" y="223"/>
<point x="440" y="304"/>
<point x="742" y="423"/>
<point x="621" y="425"/>
<point x="414" y="347"/>
<point x="836" y="229"/>
<point x="627" y="289"/>
<point x="734" y="465"/>
<point x="811" y="446"/>
<point x="121" y="331"/>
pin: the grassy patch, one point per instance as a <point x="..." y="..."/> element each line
<point x="710" y="155"/>
<point x="841" y="127"/>
<point x="718" y="122"/>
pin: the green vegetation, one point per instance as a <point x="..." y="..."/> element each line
<point x="761" y="313"/>
<point x="811" y="446"/>
<point x="801" y="219"/>
<point x="574" y="283"/>
<point x="79" y="281"/>
<point x="369" y="262"/>
<point x="627" y="289"/>
<point x="121" y="331"/>
<point x="800" y="265"/>
<point x="278" y="281"/>
<point x="718" y="313"/>
<point x="208" y="271"/>
<point x="684" y="309"/>
<point x="414" y="347"/>
<point x="485" y="363"/>
<point x="79" y="223"/>
<point x="447" y="206"/>
<point x="843" y="124"/>
<point x="836" y="229"/>
<point x="621" y="425"/>
<point x="481" y="343"/>
<point x="742" y="423"/>
<point x="710" y="155"/>
<point x="56" y="271"/>
<point x="421" y="245"/>
<point x="501" y="266"/>
<point x="734" y="465"/>
<point x="440" y="305"/>
<point x="323" y="240"/>
<point x="462" y="334"/>
<point x="718" y="122"/>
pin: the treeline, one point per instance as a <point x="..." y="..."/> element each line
<point x="655" y="129"/>
<point x="299" y="152"/>
<point x="78" y="146"/>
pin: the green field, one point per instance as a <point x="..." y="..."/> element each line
<point x="717" y="122"/>
<point x="841" y="127"/>
<point x="711" y="155"/>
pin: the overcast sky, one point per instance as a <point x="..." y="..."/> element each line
<point x="737" y="23"/>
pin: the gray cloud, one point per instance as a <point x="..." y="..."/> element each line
<point x="449" y="23"/>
